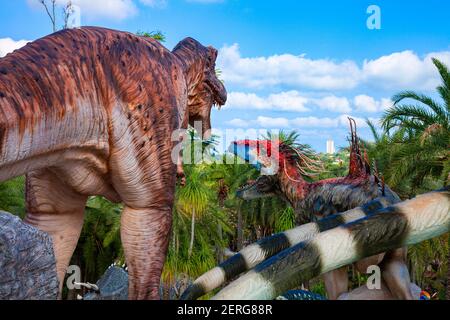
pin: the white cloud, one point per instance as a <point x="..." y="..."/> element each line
<point x="395" y="71"/>
<point x="239" y="123"/>
<point x="334" y="104"/>
<point x="284" y="101"/>
<point x="300" y="122"/>
<point x="340" y="121"/>
<point x="268" y="122"/>
<point x="206" y="1"/>
<point x="154" y="3"/>
<point x="8" y="45"/>
<point x="89" y="9"/>
<point x="286" y="69"/>
<point x="304" y="122"/>
<point x="404" y="70"/>
<point x="366" y="103"/>
<point x="114" y="9"/>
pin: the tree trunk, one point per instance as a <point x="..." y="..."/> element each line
<point x="219" y="249"/>
<point x="240" y="231"/>
<point x="447" y="296"/>
<point x="191" y="245"/>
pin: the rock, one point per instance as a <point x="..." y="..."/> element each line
<point x="27" y="261"/>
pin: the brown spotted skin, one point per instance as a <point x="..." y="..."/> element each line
<point x="91" y="111"/>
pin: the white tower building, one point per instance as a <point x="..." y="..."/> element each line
<point x="330" y="147"/>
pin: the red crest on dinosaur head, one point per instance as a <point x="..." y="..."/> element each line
<point x="297" y="159"/>
<point x="359" y="162"/>
<point x="262" y="147"/>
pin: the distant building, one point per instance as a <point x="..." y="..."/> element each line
<point x="330" y="147"/>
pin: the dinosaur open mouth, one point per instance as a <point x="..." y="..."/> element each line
<point x="248" y="185"/>
<point x="262" y="186"/>
<point x="218" y="91"/>
<point x="251" y="184"/>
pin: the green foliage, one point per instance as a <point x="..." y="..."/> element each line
<point x="99" y="243"/>
<point x="157" y="35"/>
<point x="193" y="197"/>
<point x="428" y="261"/>
<point x="286" y="220"/>
<point x="419" y="135"/>
<point x="334" y="165"/>
<point x="12" y="195"/>
<point x="206" y="238"/>
<point x="318" y="286"/>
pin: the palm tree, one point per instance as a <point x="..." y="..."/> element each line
<point x="193" y="199"/>
<point x="422" y="148"/>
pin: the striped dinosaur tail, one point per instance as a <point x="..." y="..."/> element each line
<point x="265" y="248"/>
<point x="403" y="224"/>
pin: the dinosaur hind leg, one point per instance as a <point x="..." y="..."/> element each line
<point x="396" y="275"/>
<point x="55" y="208"/>
<point x="336" y="282"/>
<point x="145" y="237"/>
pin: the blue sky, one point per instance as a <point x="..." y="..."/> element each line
<point x="301" y="65"/>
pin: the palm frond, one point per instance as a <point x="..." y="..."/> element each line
<point x="438" y="109"/>
<point x="443" y="72"/>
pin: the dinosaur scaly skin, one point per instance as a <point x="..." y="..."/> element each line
<point x="91" y="111"/>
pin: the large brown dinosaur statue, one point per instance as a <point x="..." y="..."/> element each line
<point x="91" y="111"/>
<point x="312" y="201"/>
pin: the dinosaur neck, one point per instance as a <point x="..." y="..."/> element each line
<point x="292" y="184"/>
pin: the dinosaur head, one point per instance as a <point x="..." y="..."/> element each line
<point x="204" y="87"/>
<point x="279" y="163"/>
<point x="262" y="154"/>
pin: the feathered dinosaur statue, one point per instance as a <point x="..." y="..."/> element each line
<point x="287" y="169"/>
<point x="91" y="111"/>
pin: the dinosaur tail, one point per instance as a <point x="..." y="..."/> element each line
<point x="265" y="248"/>
<point x="403" y="224"/>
